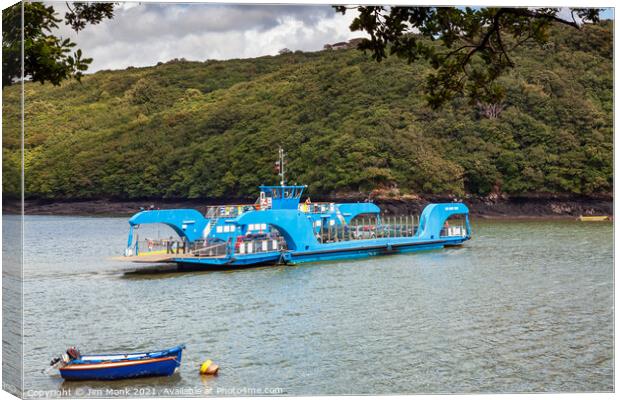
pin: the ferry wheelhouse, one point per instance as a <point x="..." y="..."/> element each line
<point x="281" y="229"/>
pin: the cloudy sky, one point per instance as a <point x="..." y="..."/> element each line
<point x="142" y="34"/>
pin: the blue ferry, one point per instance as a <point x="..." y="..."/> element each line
<point x="280" y="228"/>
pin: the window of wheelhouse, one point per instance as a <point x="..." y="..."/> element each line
<point x="289" y="193"/>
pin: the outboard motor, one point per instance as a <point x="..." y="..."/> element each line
<point x="55" y="361"/>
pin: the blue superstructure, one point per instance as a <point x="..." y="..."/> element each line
<point x="279" y="228"/>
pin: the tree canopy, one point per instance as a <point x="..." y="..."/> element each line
<point x="47" y="58"/>
<point x="475" y="43"/>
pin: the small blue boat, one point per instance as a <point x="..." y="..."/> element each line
<point x="122" y="366"/>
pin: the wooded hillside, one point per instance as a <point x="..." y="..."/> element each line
<point x="349" y="124"/>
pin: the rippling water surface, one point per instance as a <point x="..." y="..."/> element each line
<point x="524" y="306"/>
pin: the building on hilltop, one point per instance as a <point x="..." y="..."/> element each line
<point x="351" y="44"/>
<point x="340" y="46"/>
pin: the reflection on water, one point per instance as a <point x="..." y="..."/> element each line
<point x="525" y="306"/>
<point x="134" y="387"/>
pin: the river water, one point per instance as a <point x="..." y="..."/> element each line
<point x="524" y="306"/>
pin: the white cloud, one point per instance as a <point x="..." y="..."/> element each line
<point x="141" y="34"/>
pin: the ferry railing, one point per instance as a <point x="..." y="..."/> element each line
<point x="453" y="231"/>
<point x="228" y="211"/>
<point x="316" y="208"/>
<point x="210" y="249"/>
<point x="370" y="228"/>
<point x="162" y="246"/>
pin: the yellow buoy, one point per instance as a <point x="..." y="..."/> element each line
<point x="209" y="368"/>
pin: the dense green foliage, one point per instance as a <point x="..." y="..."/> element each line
<point x="202" y="130"/>
<point x="47" y="58"/>
<point x="476" y="43"/>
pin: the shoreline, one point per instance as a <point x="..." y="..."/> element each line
<point x="490" y="207"/>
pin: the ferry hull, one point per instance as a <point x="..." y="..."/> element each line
<point x="371" y="248"/>
<point x="197" y="264"/>
<point x="371" y="251"/>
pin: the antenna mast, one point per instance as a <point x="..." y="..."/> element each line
<point x="281" y="160"/>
